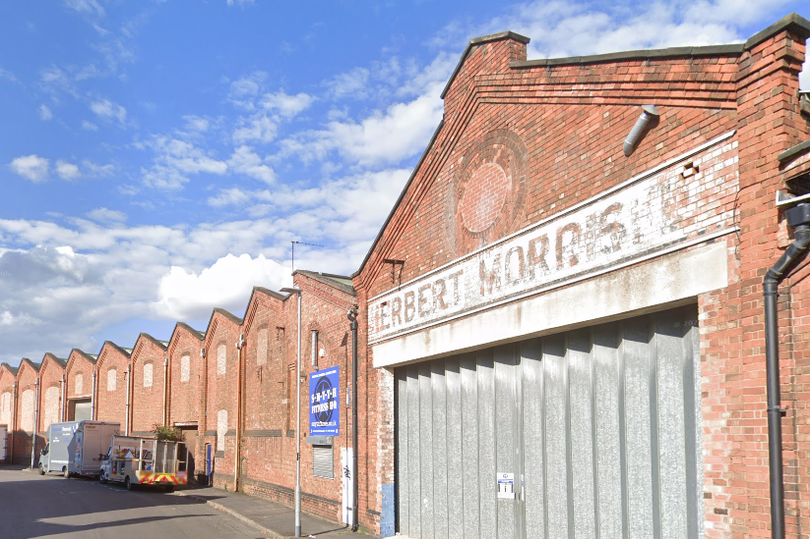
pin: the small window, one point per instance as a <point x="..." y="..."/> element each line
<point x="111" y="380"/>
<point x="261" y="348"/>
<point x="222" y="428"/>
<point x="147" y="375"/>
<point x="222" y="357"/>
<point x="77" y="385"/>
<point x="185" y="368"/>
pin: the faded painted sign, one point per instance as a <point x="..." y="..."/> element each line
<point x="687" y="198"/>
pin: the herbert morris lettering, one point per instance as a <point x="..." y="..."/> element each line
<point x="646" y="215"/>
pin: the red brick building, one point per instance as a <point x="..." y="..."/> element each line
<point x="26" y="410"/>
<point x="112" y="386"/>
<point x="186" y="373"/>
<point x="150" y="390"/>
<point x="8" y="404"/>
<point x="564" y="326"/>
<point x="266" y="448"/>
<point x="222" y="348"/>
<point x="79" y="381"/>
<point x="51" y="392"/>
<point x="269" y="445"/>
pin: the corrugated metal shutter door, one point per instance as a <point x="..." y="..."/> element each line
<point x="83" y="411"/>
<point x="323" y="461"/>
<point x="601" y="426"/>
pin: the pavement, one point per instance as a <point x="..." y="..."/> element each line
<point x="272" y="519"/>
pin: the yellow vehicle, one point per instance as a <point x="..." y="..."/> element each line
<point x="135" y="460"/>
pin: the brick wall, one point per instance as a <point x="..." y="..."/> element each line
<point x="50" y="393"/>
<point x="111" y="385"/>
<point x="24" y="426"/>
<point x="268" y="450"/>
<point x="149" y="395"/>
<point x="78" y="379"/>
<point x="219" y="427"/>
<point x="186" y="388"/>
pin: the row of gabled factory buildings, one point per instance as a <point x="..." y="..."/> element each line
<point x="235" y="380"/>
<point x="587" y="315"/>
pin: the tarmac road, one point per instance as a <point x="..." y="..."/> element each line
<point x="52" y="506"/>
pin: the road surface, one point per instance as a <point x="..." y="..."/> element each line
<point x="52" y="506"/>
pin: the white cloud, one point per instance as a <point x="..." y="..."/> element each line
<point x="33" y="167"/>
<point x="196" y="124"/>
<point x="184" y="294"/>
<point x="55" y="80"/>
<point x="45" y="113"/>
<point x="97" y="171"/>
<point x="106" y="215"/>
<point x="108" y="111"/>
<point x="67" y="171"/>
<point x="90" y="7"/>
<point x="8" y="75"/>
<point x="174" y="161"/>
<point x="229" y="197"/>
<point x="401" y="131"/>
<point x="89" y="126"/>
<point x="242" y="92"/>
<point x="245" y="161"/>
<point x="288" y="106"/>
<point x="259" y="128"/>
<point x="353" y="83"/>
<point x="240" y="2"/>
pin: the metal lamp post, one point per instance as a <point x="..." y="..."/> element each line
<point x="297" y="291"/>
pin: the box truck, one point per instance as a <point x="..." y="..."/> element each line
<point x="4" y="456"/>
<point x="76" y="447"/>
<point x="135" y="460"/>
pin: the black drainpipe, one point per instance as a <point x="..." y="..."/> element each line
<point x="355" y="403"/>
<point x="798" y="218"/>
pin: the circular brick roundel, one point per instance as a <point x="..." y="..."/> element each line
<point x="484" y="197"/>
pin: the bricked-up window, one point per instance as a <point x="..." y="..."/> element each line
<point x="185" y="368"/>
<point x="261" y="348"/>
<point x="112" y="379"/>
<point x="77" y="385"/>
<point x="51" y="414"/>
<point x="27" y="411"/>
<point x="147" y="374"/>
<point x="5" y="408"/>
<point x="222" y="356"/>
<point x="222" y="428"/>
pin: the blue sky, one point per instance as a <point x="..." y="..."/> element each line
<point x="157" y="158"/>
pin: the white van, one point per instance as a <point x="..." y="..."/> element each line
<point x="76" y="447"/>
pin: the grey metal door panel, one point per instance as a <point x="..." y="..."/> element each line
<point x="505" y="432"/>
<point x="599" y="426"/>
<point x="534" y="486"/>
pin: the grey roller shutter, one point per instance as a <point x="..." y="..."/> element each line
<point x="323" y="461"/>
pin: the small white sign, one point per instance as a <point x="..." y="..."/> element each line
<point x="506" y="485"/>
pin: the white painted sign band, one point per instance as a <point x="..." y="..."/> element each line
<point x="632" y="222"/>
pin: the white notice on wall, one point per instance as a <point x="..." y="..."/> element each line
<point x="506" y="485"/>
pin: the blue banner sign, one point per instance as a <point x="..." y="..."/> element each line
<point x="324" y="391"/>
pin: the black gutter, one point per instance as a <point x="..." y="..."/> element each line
<point x="798" y="217"/>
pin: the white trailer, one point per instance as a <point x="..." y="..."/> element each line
<point x="77" y="447"/>
<point x="4" y="456"/>
<point x="134" y="460"/>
